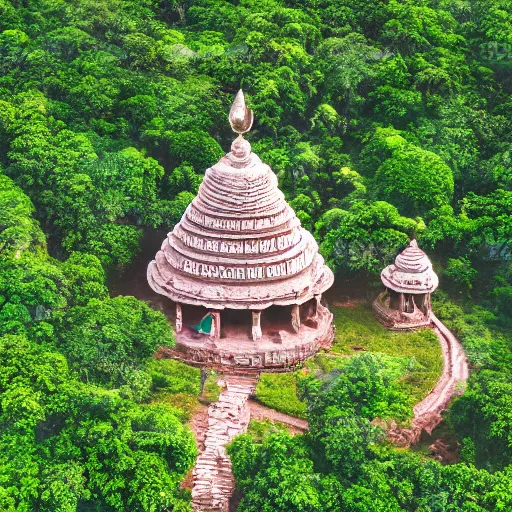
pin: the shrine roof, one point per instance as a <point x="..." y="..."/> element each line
<point x="411" y="272"/>
<point x="239" y="244"/>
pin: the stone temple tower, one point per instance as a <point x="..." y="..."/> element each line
<point x="240" y="259"/>
<point x="409" y="282"/>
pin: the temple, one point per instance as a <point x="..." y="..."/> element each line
<point x="405" y="304"/>
<point x="246" y="277"/>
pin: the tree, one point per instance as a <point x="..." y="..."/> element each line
<point x="85" y="277"/>
<point x="281" y="474"/>
<point x="108" y="341"/>
<point x="19" y="232"/>
<point x="412" y="178"/>
<point x="365" y="237"/>
<point x="461" y="273"/>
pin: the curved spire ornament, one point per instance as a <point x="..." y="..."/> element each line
<point x="240" y="117"/>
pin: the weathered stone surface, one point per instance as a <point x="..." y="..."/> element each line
<point x="409" y="282"/>
<point x="213" y="483"/>
<point x="239" y="245"/>
<point x="411" y="273"/>
<point x="236" y="352"/>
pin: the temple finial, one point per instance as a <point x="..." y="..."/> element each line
<point x="240" y="117"/>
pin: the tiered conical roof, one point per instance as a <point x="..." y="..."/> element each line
<point x="239" y="244"/>
<point x="411" y="273"/>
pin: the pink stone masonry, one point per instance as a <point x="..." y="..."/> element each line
<point x="409" y="281"/>
<point x="411" y="273"/>
<point x="239" y="245"/>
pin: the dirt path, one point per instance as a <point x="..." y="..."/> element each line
<point x="427" y="413"/>
<point x="212" y="480"/>
<point x="261" y="412"/>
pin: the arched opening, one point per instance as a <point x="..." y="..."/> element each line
<point x="394" y="300"/>
<point x="236" y="323"/>
<point x="275" y="319"/>
<point x="192" y="315"/>
<point x="409" y="303"/>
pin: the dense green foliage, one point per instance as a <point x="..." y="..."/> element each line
<point x="413" y="359"/>
<point x="389" y="117"/>
<point x="343" y="465"/>
<point x="77" y="429"/>
<point x="279" y="391"/>
<point x="383" y="120"/>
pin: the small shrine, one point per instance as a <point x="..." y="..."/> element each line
<point x="405" y="304"/>
<point x="245" y="276"/>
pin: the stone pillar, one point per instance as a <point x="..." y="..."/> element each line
<point x="215" y="330"/>
<point x="409" y="303"/>
<point x="316" y="306"/>
<point x="420" y="301"/>
<point x="427" y="305"/>
<point x="179" y="318"/>
<point x="401" y="303"/>
<point x="296" y="317"/>
<point x="256" y="326"/>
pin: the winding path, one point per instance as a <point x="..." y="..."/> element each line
<point x="427" y="413"/>
<point x="262" y="412"/>
<point x="213" y="481"/>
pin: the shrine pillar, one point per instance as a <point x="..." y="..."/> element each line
<point x="179" y="318"/>
<point x="215" y="330"/>
<point x="296" y="317"/>
<point x="317" y="306"/>
<point x="256" y="326"/>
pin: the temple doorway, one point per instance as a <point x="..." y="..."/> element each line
<point x="276" y="318"/>
<point x="235" y="323"/>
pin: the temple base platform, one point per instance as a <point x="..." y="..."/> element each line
<point x="398" y="320"/>
<point x="279" y="348"/>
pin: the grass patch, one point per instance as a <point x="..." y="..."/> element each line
<point x="211" y="390"/>
<point x="357" y="330"/>
<point x="184" y="404"/>
<point x="174" y="377"/>
<point x="417" y="353"/>
<point x="279" y="391"/>
<point x="175" y="384"/>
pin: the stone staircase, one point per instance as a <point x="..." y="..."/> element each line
<point x="214" y="483"/>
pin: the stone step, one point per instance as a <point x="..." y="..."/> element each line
<point x="213" y="479"/>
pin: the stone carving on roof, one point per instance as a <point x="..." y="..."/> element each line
<point x="239" y="244"/>
<point x="411" y="272"/>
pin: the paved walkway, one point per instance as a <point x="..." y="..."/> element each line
<point x="213" y="482"/>
<point x="427" y="413"/>
<point x="262" y="412"/>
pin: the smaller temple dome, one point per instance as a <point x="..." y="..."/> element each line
<point x="411" y="273"/>
<point x="412" y="260"/>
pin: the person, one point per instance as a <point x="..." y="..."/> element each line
<point x="205" y="325"/>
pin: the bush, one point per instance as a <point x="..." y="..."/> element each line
<point x="174" y="377"/>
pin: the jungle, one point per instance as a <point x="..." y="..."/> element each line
<point x="383" y="120"/>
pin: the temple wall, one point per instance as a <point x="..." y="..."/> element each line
<point x="246" y="272"/>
